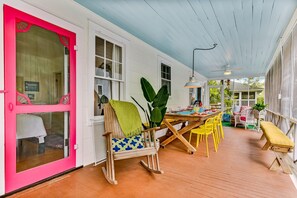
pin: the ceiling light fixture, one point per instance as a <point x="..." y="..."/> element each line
<point x="227" y="72"/>
<point x="193" y="83"/>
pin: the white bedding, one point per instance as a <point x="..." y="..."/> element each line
<point x="30" y="126"/>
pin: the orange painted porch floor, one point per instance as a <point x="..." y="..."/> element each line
<point x="238" y="169"/>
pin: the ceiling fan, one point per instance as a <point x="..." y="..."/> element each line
<point x="227" y="69"/>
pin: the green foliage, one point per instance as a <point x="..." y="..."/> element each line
<point x="215" y="92"/>
<point x="161" y="98"/>
<point x="253" y="82"/>
<point x="148" y="91"/>
<point x="156" y="102"/>
<point x="156" y="115"/>
<point x="103" y="99"/>
<point x="260" y="99"/>
<point x="260" y="106"/>
<point x="228" y="99"/>
<point x="213" y="82"/>
<point x="214" y="95"/>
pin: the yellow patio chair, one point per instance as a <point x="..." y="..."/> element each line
<point x="122" y="144"/>
<point x="216" y="129"/>
<point x="220" y="125"/>
<point x="205" y="130"/>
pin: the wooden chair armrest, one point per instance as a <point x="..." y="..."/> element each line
<point x="106" y="133"/>
<point x="150" y="129"/>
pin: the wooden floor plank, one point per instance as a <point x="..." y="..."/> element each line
<point x="238" y="169"/>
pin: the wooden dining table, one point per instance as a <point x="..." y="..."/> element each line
<point x="170" y="119"/>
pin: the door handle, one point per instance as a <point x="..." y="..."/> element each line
<point x="10" y="106"/>
<point x="3" y="91"/>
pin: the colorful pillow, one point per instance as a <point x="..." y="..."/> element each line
<point x="242" y="108"/>
<point x="125" y="144"/>
<point x="243" y="118"/>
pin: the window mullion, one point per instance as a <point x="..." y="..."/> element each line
<point x="104" y="71"/>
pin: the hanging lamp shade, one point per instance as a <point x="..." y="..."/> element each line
<point x="193" y="83"/>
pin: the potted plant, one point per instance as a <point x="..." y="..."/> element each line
<point x="156" y="103"/>
<point x="257" y="108"/>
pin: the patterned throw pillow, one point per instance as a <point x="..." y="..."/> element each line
<point x="243" y="108"/>
<point x="243" y="118"/>
<point x="125" y="144"/>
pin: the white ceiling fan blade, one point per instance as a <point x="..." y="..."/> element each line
<point x="236" y="68"/>
<point x="219" y="70"/>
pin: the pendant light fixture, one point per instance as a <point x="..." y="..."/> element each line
<point x="193" y="83"/>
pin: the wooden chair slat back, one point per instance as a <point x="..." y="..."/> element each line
<point x="111" y="123"/>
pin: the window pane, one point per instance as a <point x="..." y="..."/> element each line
<point x="244" y="103"/>
<point x="108" y="69"/>
<point x="102" y="93"/>
<point x="109" y="66"/>
<point x="109" y="49"/>
<point x="214" y="96"/>
<point x="41" y="62"/>
<point x="99" y="66"/>
<point x="118" y="54"/>
<point x="168" y="83"/>
<point x="41" y="138"/>
<point x="252" y="103"/>
<point x="252" y="95"/>
<point x="166" y="76"/>
<point x="99" y="47"/>
<point x="118" y="71"/>
<point x="116" y="90"/>
<point x="165" y="72"/>
<point x="244" y="95"/>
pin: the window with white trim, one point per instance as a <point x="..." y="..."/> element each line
<point x="166" y="76"/>
<point x="108" y="73"/>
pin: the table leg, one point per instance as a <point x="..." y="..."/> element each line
<point x="178" y="134"/>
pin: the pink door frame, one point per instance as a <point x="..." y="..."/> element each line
<point x="18" y="180"/>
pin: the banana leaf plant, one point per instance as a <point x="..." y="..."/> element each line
<point x="156" y="103"/>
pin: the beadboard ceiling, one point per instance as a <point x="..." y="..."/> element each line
<point x="247" y="31"/>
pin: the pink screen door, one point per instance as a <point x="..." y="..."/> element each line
<point x="39" y="99"/>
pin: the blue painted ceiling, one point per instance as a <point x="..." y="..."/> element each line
<point x="247" y="31"/>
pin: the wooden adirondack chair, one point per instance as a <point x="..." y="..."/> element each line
<point x="146" y="145"/>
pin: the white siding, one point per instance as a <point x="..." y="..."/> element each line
<point x="141" y="61"/>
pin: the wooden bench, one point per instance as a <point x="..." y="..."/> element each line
<point x="278" y="142"/>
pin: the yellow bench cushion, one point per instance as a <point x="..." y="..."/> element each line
<point x="275" y="136"/>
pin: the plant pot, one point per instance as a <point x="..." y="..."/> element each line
<point x="256" y="114"/>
